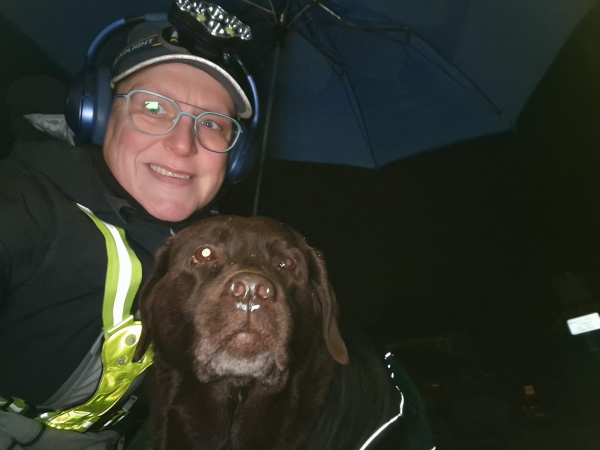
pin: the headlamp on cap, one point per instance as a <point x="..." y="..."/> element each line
<point x="198" y="33"/>
<point x="211" y="18"/>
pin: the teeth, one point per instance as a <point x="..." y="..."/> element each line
<point x="167" y="173"/>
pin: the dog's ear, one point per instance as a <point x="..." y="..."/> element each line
<point x="161" y="266"/>
<point x="331" y="333"/>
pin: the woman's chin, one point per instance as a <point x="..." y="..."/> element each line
<point x="169" y="212"/>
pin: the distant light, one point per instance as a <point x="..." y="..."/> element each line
<point x="583" y="324"/>
<point x="529" y="390"/>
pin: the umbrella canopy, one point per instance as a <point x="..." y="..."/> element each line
<point x="362" y="82"/>
<point x="368" y="82"/>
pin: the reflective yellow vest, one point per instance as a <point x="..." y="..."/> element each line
<point x="121" y="334"/>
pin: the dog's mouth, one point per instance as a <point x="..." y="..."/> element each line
<point x="244" y="344"/>
<point x="226" y="364"/>
<point x="243" y="353"/>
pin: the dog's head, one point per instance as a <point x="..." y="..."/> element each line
<point x="239" y="297"/>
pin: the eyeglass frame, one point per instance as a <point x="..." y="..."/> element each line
<point x="181" y="113"/>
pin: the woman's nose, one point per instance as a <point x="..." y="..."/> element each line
<point x="181" y="140"/>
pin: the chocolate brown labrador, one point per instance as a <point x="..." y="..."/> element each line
<point x="243" y="323"/>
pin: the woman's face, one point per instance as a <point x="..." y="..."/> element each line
<point x="172" y="175"/>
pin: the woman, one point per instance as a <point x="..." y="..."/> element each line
<point x="79" y="228"/>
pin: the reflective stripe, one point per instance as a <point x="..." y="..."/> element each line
<point x="15" y="405"/>
<point x="389" y="358"/>
<point x="15" y="408"/>
<point x="123" y="275"/>
<point x="117" y="417"/>
<point x="385" y="425"/>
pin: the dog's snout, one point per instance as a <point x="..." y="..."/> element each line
<point x="248" y="286"/>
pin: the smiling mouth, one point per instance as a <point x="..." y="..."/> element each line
<point x="169" y="174"/>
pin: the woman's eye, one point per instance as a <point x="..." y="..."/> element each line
<point x="203" y="254"/>
<point x="210" y="125"/>
<point x="153" y="108"/>
<point x="288" y="264"/>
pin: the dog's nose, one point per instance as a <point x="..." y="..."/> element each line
<point x="251" y="288"/>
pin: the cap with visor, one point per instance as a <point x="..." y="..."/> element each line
<point x="158" y="41"/>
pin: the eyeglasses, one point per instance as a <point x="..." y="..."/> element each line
<point x="155" y="114"/>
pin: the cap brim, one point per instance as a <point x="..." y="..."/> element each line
<point x="243" y="107"/>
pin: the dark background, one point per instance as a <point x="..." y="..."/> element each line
<point x="465" y="241"/>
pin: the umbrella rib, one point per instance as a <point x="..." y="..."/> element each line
<point x="358" y="114"/>
<point x="262" y="8"/>
<point x="268" y="15"/>
<point x="310" y="5"/>
<point x="403" y="29"/>
<point x="399" y="28"/>
<point x="347" y="83"/>
<point x="344" y="22"/>
<point x="490" y="103"/>
<point x="323" y="50"/>
<point x="331" y="12"/>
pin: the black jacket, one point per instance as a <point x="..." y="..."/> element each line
<point x="364" y="396"/>
<point x="53" y="260"/>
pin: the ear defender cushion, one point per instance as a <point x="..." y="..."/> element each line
<point x="75" y="100"/>
<point x="102" y="106"/>
<point x="88" y="105"/>
<point x="241" y="157"/>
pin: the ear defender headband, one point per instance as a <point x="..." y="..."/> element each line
<point x="206" y="31"/>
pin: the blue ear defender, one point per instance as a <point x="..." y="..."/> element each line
<point x="89" y="103"/>
<point x="242" y="156"/>
<point x="89" y="98"/>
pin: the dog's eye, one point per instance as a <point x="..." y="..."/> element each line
<point x="203" y="254"/>
<point x="288" y="263"/>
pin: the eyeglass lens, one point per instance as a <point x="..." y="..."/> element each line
<point x="152" y="114"/>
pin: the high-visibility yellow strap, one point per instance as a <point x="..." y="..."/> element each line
<point x="123" y="274"/>
<point x="121" y="333"/>
<point x="119" y="371"/>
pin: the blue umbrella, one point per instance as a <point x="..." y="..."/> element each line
<point x="365" y="83"/>
<point x="360" y="82"/>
